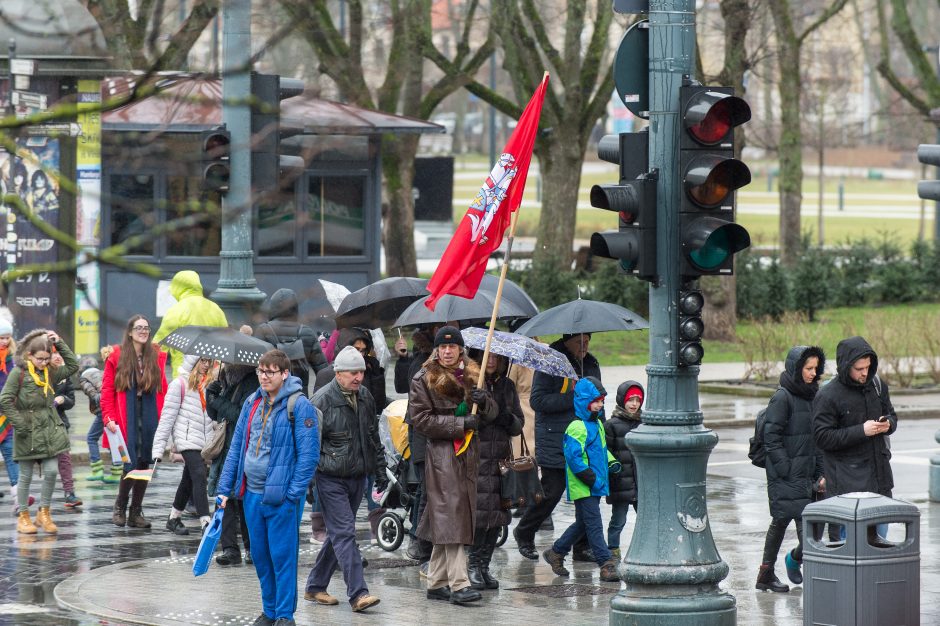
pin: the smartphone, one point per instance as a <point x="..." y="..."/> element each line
<point x="883" y="418"/>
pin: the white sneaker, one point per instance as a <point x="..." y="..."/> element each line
<point x="317" y="541"/>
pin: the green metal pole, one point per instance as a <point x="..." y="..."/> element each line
<point x="672" y="568"/>
<point x="237" y="294"/>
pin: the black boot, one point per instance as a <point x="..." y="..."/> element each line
<point x="136" y="517"/>
<point x="119" y="514"/>
<point x="767" y="580"/>
<point x="473" y="560"/>
<point x="491" y="536"/>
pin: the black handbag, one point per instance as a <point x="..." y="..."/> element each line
<point x="519" y="484"/>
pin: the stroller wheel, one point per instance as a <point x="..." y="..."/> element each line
<point x="502" y="536"/>
<point x="390" y="531"/>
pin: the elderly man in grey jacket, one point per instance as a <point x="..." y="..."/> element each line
<point x="350" y="451"/>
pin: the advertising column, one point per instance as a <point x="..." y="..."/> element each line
<point x="88" y="218"/>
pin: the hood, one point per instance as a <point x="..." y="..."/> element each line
<point x="348" y="336"/>
<point x="186" y="367"/>
<point x="232" y="374"/>
<point x="19" y="354"/>
<point x="283" y="305"/>
<point x="290" y="385"/>
<point x="791" y="378"/>
<point x="422" y="342"/>
<point x="185" y="284"/>
<point x="585" y="392"/>
<point x="848" y="352"/>
<point x="622" y="390"/>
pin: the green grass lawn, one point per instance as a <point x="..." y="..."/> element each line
<point x="832" y="325"/>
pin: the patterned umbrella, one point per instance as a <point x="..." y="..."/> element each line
<point x="222" y="344"/>
<point x="521" y="350"/>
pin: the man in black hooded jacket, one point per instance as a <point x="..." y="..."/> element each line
<point x="284" y="327"/>
<point x="852" y="417"/>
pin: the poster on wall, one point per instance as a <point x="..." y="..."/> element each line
<point x="32" y="176"/>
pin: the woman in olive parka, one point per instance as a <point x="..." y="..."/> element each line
<point x="27" y="400"/>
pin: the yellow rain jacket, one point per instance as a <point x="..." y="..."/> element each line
<point x="191" y="309"/>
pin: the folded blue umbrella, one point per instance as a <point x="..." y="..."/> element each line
<point x="210" y="539"/>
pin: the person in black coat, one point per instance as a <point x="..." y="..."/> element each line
<point x="793" y="465"/>
<point x="552" y="399"/>
<point x="283" y="327"/>
<point x="623" y="485"/>
<point x="848" y="425"/>
<point x="225" y="397"/>
<point x="495" y="444"/>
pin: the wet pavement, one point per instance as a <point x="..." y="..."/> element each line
<point x="94" y="573"/>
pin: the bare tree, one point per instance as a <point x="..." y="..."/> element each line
<point x="788" y="18"/>
<point x="404" y="89"/>
<point x="571" y="40"/>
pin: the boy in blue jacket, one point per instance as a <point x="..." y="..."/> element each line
<point x="587" y="464"/>
<point x="269" y="465"/>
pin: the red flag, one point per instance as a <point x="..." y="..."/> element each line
<point x="481" y="230"/>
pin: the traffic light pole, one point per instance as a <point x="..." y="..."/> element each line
<point x="237" y="292"/>
<point x="672" y="569"/>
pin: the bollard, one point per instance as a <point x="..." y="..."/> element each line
<point x="863" y="575"/>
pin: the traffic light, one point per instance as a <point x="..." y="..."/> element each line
<point x="929" y="154"/>
<point x="709" y="176"/>
<point x="216" y="167"/>
<point x="690" y="304"/>
<point x="633" y="244"/>
<point x="267" y="164"/>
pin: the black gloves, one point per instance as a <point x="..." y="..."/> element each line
<point x="471" y="422"/>
<point x="479" y="396"/>
<point x="587" y="477"/>
<point x="381" y="483"/>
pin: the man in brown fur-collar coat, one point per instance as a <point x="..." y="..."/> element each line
<point x="442" y="395"/>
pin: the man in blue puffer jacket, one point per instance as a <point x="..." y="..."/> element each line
<point x="269" y="464"/>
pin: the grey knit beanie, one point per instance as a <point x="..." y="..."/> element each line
<point x="349" y="360"/>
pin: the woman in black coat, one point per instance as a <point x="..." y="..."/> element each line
<point x="793" y="466"/>
<point x="494" y="442"/>
<point x="225" y="398"/>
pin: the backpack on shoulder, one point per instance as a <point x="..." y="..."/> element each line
<point x="294" y="350"/>
<point x="757" y="452"/>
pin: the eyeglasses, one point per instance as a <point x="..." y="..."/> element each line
<point x="41" y="359"/>
<point x="141" y="329"/>
<point x="266" y="373"/>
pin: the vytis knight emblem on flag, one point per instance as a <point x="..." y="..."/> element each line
<point x="486" y="204"/>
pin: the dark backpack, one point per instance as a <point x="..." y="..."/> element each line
<point x="757" y="452"/>
<point x="299" y="366"/>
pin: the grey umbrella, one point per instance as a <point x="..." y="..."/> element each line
<point x="582" y="316"/>
<point x="454" y="308"/>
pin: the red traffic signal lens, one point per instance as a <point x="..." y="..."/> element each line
<point x="711" y="115"/>
<point x="216" y="145"/>
<point x="714" y="126"/>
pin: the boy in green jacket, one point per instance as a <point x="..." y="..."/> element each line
<point x="587" y="464"/>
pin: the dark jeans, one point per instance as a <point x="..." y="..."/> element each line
<point x="192" y="484"/>
<point x="94" y="434"/>
<point x="339" y="500"/>
<point x="233" y="520"/>
<point x="553" y="486"/>
<point x="587" y="520"/>
<point x="774" y="539"/>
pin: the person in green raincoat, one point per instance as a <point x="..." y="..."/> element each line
<point x="191" y="309"/>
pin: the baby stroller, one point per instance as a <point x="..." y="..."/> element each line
<point x="390" y="529"/>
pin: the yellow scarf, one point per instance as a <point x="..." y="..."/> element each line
<point x="44" y="385"/>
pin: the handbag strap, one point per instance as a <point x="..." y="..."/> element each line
<point x="524" y="448"/>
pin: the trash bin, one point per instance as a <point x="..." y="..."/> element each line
<point x="864" y="578"/>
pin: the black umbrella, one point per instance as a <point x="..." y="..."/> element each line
<point x="221" y="344"/>
<point x="582" y="316"/>
<point x="511" y="292"/>
<point x="380" y="303"/>
<point x="454" y="308"/>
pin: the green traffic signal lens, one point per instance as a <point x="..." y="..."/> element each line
<point x="714" y="252"/>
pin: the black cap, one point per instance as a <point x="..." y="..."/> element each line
<point x="448" y="334"/>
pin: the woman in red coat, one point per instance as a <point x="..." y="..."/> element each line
<point x="132" y="391"/>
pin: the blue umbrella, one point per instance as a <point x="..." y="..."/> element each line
<point x="521" y="350"/>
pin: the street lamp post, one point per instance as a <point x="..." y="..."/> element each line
<point x="672" y="568"/>
<point x="237" y="292"/>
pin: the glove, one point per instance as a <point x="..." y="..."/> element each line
<point x="471" y="422"/>
<point x="479" y="396"/>
<point x="587" y="477"/>
<point x="380" y="483"/>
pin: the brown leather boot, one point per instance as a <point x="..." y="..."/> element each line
<point x="119" y="514"/>
<point x="44" y="520"/>
<point x="24" y="525"/>
<point x="136" y="519"/>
